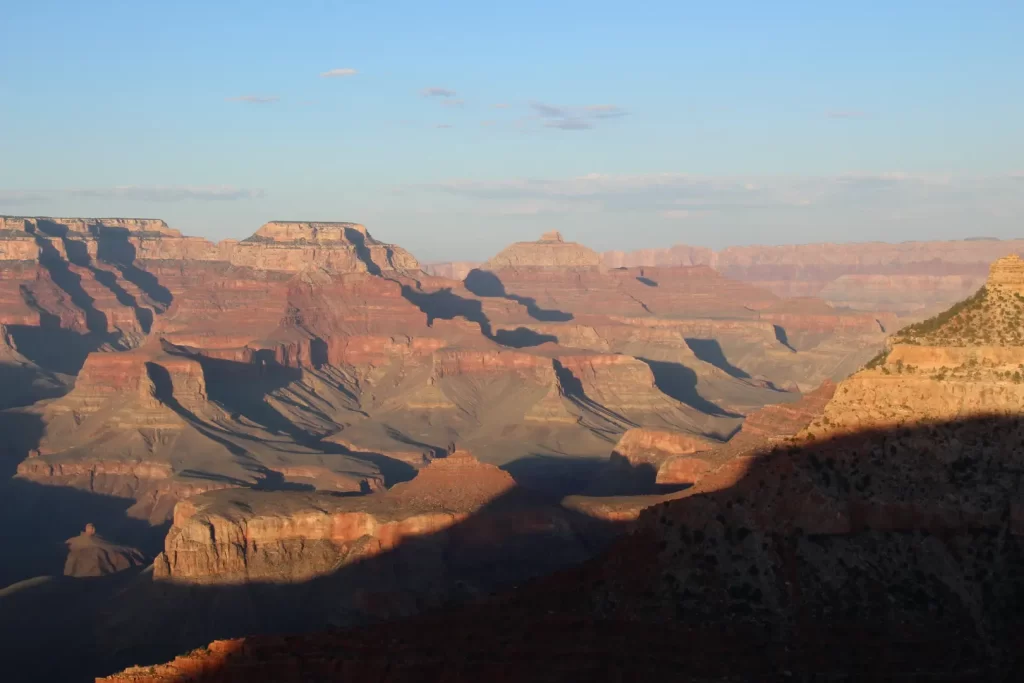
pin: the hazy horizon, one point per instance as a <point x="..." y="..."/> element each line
<point x="481" y="257"/>
<point x="453" y="131"/>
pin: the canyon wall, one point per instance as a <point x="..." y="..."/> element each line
<point x="911" y="278"/>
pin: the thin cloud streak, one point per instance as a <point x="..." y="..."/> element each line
<point x="575" y="118"/>
<point x="569" y="124"/>
<point x="547" y="110"/>
<point x="437" y="92"/>
<point x="339" y="73"/>
<point x="254" y="99"/>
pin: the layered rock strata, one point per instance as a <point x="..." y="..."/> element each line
<point x="910" y="278"/>
<point x="240" y="536"/>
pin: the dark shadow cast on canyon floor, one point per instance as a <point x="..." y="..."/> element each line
<point x="242" y="389"/>
<point x="710" y="351"/>
<point x="35" y="520"/>
<point x="680" y="382"/>
<point x="128" y="618"/>
<point x="53" y="348"/>
<point x="444" y="304"/>
<point x="486" y="284"/>
<point x="115" y="247"/>
<point x="865" y="567"/>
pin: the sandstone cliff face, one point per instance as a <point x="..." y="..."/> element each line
<point x="335" y="247"/>
<point x="650" y="446"/>
<point x="242" y="536"/>
<point x="964" y="362"/>
<point x="89" y="226"/>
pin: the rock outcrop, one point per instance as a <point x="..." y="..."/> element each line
<point x="335" y="247"/>
<point x="967" y="361"/>
<point x="550" y="251"/>
<point x="241" y="536"/>
<point x="89" y="554"/>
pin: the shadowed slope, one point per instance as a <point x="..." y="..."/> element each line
<point x="837" y="558"/>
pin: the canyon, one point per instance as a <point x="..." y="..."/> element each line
<point x="311" y="430"/>
<point x="870" y="531"/>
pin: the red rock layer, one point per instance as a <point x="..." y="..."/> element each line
<point x="238" y="536"/>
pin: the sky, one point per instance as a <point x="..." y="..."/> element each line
<point x="456" y="127"/>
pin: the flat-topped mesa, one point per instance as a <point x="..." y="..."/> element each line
<point x="315" y="232"/>
<point x="86" y="226"/>
<point x="149" y="373"/>
<point x="238" y="536"/>
<point x="1008" y="273"/>
<point x="335" y="247"/>
<point x="549" y="251"/>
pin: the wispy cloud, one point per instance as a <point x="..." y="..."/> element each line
<point x="605" y="111"/>
<point x="169" y="193"/>
<point x="549" y="110"/>
<point x="255" y="99"/>
<point x="845" y="114"/>
<point x="569" y="124"/>
<point x="142" y="193"/>
<point x="437" y="92"/>
<point x="575" y="118"/>
<point x="338" y="73"/>
<point x="678" y="196"/>
<point x="452" y="103"/>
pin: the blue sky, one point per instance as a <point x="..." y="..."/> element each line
<point x="453" y="128"/>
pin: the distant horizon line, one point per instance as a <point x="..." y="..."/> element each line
<point x="432" y="263"/>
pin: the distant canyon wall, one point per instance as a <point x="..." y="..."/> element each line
<point x="908" y="278"/>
